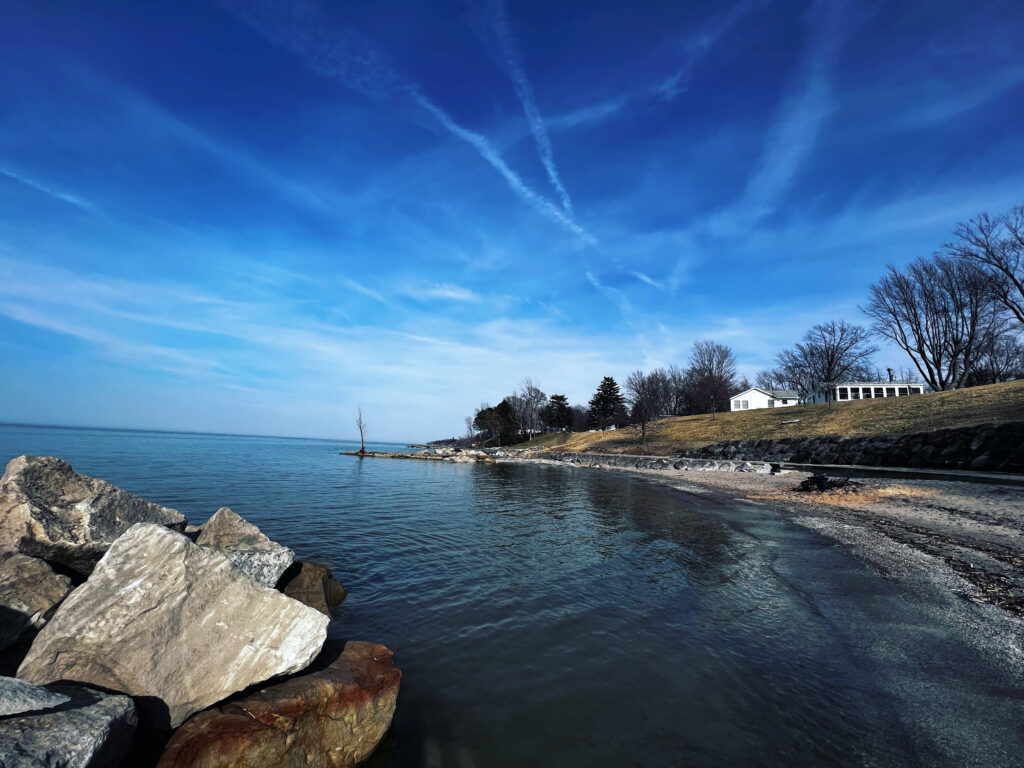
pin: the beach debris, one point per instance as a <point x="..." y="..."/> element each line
<point x="313" y="585"/>
<point x="333" y="716"/>
<point x="49" y="511"/>
<point x="88" y="730"/>
<point x="174" y="623"/>
<point x="819" y="483"/>
<point x="30" y="592"/>
<point x="246" y="546"/>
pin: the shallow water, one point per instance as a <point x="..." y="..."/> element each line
<point x="564" y="617"/>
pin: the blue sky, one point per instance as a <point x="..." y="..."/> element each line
<point x="256" y="216"/>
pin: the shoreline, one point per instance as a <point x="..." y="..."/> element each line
<point x="964" y="538"/>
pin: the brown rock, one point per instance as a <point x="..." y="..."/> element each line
<point x="30" y="592"/>
<point x="246" y="546"/>
<point x="175" y="624"/>
<point x="48" y="511"/>
<point x="312" y="585"/>
<point x="332" y="717"/>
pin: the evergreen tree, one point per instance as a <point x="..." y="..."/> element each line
<point x="557" y="414"/>
<point x="607" y="406"/>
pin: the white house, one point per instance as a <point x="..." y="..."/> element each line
<point x="755" y="397"/>
<point x="845" y="391"/>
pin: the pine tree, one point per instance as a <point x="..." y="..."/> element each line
<point x="607" y="406"/>
<point x="557" y="414"/>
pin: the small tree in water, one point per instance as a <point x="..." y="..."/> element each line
<point x="362" y="430"/>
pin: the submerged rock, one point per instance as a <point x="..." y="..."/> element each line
<point x="312" y="585"/>
<point x="49" y="511"/>
<point x="18" y="696"/>
<point x="89" y="730"/>
<point x="174" y="623"/>
<point x="30" y="592"/>
<point x="245" y="546"/>
<point x="332" y="717"/>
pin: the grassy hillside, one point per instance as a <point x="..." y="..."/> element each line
<point x="997" y="404"/>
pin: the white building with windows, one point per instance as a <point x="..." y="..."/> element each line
<point x="755" y="398"/>
<point x="845" y="391"/>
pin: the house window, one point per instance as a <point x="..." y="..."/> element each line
<point x="771" y="403"/>
<point x="915" y="390"/>
<point x="855" y="393"/>
<point x="903" y="391"/>
<point x="890" y="391"/>
<point x="735" y="405"/>
<point x="878" y="392"/>
<point x="746" y="404"/>
<point x="844" y="393"/>
<point x="866" y="393"/>
<point x="785" y="402"/>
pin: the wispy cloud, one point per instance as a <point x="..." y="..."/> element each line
<point x="792" y="137"/>
<point x="48" y="189"/>
<point x="443" y="292"/>
<point x="509" y="57"/>
<point x="343" y="54"/>
<point x="647" y="279"/>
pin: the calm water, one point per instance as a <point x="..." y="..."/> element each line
<point x="562" y="617"/>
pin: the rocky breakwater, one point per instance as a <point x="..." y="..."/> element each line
<point x="453" y="455"/>
<point x="162" y="626"/>
<point x="986" y="448"/>
<point x="625" y="461"/>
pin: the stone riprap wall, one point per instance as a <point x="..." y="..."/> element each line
<point x="987" y="448"/>
<point x="652" y="462"/>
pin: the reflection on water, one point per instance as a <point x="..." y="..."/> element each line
<point x="563" y="617"/>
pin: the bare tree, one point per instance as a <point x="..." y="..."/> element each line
<point x="362" y="430"/>
<point x="770" y="379"/>
<point x="711" y="377"/>
<point x="834" y="351"/>
<point x="1000" y="358"/>
<point x="644" y="393"/>
<point x="939" y="311"/>
<point x="997" y="246"/>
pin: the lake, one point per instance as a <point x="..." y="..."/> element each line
<point x="558" y="616"/>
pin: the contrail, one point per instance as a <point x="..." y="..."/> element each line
<point x="512" y="61"/>
<point x="345" y="55"/>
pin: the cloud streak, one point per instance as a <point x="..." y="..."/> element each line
<point x="345" y="55"/>
<point x="510" y="59"/>
<point x="48" y="190"/>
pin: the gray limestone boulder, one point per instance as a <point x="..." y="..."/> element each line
<point x="174" y="624"/>
<point x="49" y="511"/>
<point x="18" y="697"/>
<point x="30" y="592"/>
<point x="89" y="730"/>
<point x="264" y="560"/>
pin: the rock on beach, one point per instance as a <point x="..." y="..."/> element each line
<point x="313" y="585"/>
<point x="246" y="546"/>
<point x="176" y="624"/>
<point x="30" y="592"/>
<point x="49" y="511"/>
<point x="335" y="717"/>
<point x="88" y="729"/>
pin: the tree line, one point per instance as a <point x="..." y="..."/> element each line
<point x="958" y="315"/>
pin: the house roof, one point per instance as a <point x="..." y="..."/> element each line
<point x="775" y="393"/>
<point x="879" y="384"/>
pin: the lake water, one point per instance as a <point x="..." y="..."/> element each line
<point x="554" y="616"/>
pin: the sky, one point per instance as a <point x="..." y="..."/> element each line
<point x="257" y="216"/>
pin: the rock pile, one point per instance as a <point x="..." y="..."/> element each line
<point x="987" y="448"/>
<point x="626" y="461"/>
<point x="164" y="626"/>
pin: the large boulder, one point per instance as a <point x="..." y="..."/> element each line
<point x="313" y="585"/>
<point x="18" y="696"/>
<point x="90" y="730"/>
<point x="49" y="511"/>
<point x="174" y="623"/>
<point x="332" y="717"/>
<point x="30" y="592"/>
<point x="246" y="546"/>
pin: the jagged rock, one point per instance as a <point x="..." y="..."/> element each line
<point x="312" y="585"/>
<point x="245" y="546"/>
<point x="332" y="717"/>
<point x="91" y="730"/>
<point x="30" y="592"/>
<point x="175" y="623"/>
<point x="18" y="696"/>
<point x="49" y="511"/>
